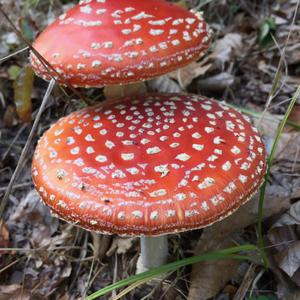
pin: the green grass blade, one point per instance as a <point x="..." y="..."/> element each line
<point x="130" y="288"/>
<point x="270" y="161"/>
<point x="229" y="253"/>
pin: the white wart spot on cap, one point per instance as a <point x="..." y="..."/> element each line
<point x="207" y="182"/>
<point x="226" y="166"/>
<point x="180" y="196"/>
<point x="133" y="171"/>
<point x="170" y="213"/>
<point x="90" y="150"/>
<point x="235" y="150"/>
<point x="196" y="135"/>
<point x="154" y="215"/>
<point x="137" y="214"/>
<point x="198" y="147"/>
<point x="158" y="193"/>
<point x="89" y="138"/>
<point x="162" y="169"/>
<point x="101" y="158"/>
<point x="86" y="9"/>
<point x="161" y="165"/>
<point x="121" y="215"/>
<point x="153" y="150"/>
<point x="75" y="151"/>
<point x="218" y="140"/>
<point x="127" y="156"/>
<point x="110" y="144"/>
<point x="183" y="157"/>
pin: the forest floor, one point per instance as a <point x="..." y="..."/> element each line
<point x="254" y="64"/>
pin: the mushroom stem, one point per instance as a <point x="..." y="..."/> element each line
<point x="154" y="253"/>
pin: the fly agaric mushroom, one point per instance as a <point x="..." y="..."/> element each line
<point x="149" y="166"/>
<point x="101" y="42"/>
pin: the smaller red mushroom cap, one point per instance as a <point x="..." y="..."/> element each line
<point x="112" y="42"/>
<point x="151" y="165"/>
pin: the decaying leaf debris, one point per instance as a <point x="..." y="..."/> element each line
<point x="43" y="258"/>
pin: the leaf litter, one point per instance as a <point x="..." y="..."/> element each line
<point x="47" y="258"/>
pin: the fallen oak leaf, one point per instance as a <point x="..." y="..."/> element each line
<point x="284" y="240"/>
<point x="294" y="116"/>
<point x="225" y="48"/>
<point x="120" y="245"/>
<point x="164" y="84"/>
<point x="14" y="291"/>
<point x="23" y="86"/>
<point x="4" y="237"/>
<point x="214" y="274"/>
<point x="291" y="217"/>
<point x="216" y="83"/>
<point x="187" y="74"/>
<point x="277" y="199"/>
<point x="289" y="260"/>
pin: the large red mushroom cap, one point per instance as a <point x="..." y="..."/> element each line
<point x="114" y="42"/>
<point x="148" y="166"/>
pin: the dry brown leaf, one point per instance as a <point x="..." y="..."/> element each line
<point x="292" y="296"/>
<point x="31" y="209"/>
<point x="4" y="236"/>
<point x="277" y="199"/>
<point x="163" y="84"/>
<point x="216" y="83"/>
<point x="291" y="217"/>
<point x="186" y="75"/>
<point x="121" y="245"/>
<point x="293" y="54"/>
<point x="211" y="276"/>
<point x="23" y="86"/>
<point x="114" y="92"/>
<point x="283" y="238"/>
<point x="101" y="243"/>
<point x="14" y="292"/>
<point x="10" y="117"/>
<point x="293" y="80"/>
<point x="246" y="283"/>
<point x="285" y="248"/>
<point x="65" y="297"/>
<point x="33" y="212"/>
<point x="295" y="115"/>
<point x="289" y="143"/>
<point x="225" y="48"/>
<point x="289" y="260"/>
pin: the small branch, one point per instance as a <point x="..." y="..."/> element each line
<point x="5" y="58"/>
<point x="26" y="148"/>
<point x="43" y="61"/>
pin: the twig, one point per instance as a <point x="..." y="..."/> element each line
<point x="14" y="140"/>
<point x="246" y="283"/>
<point x="26" y="148"/>
<point x="115" y="275"/>
<point x="281" y="61"/>
<point x="5" y="58"/>
<point x="16" y="186"/>
<point x="10" y="265"/>
<point x="269" y="164"/>
<point x="43" y="61"/>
